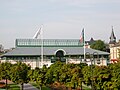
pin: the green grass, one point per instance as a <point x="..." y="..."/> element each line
<point x="35" y="85"/>
<point x="13" y="87"/>
<point x="86" y="88"/>
<point x="43" y="87"/>
<point x="47" y="88"/>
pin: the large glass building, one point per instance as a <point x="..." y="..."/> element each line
<point x="36" y="52"/>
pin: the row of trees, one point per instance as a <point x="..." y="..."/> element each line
<point x="69" y="75"/>
<point x="18" y="73"/>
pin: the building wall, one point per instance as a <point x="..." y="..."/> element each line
<point x="36" y="63"/>
<point x="114" y="52"/>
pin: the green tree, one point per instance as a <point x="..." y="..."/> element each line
<point x="71" y="76"/>
<point x="38" y="75"/>
<point x="86" y="71"/>
<point x="5" y="71"/>
<point x="19" y="73"/>
<point x="53" y="74"/>
<point x="31" y="75"/>
<point x="41" y="79"/>
<point x="98" y="45"/>
<point x="77" y="77"/>
<point x="101" y="77"/>
<point x="115" y="73"/>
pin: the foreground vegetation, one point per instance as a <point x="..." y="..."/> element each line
<point x="13" y="87"/>
<point x="61" y="75"/>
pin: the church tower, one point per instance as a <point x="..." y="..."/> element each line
<point x="112" y="38"/>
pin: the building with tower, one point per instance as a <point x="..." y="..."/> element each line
<point x="114" y="48"/>
<point x="112" y="41"/>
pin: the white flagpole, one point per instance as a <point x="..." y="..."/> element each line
<point x="41" y="46"/>
<point x="84" y="44"/>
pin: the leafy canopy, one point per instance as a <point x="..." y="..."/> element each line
<point x="98" y="45"/>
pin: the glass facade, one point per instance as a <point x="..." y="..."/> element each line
<point x="48" y="43"/>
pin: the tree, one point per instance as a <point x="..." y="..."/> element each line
<point x="41" y="79"/>
<point x="19" y="73"/>
<point x="38" y="75"/>
<point x="102" y="77"/>
<point x="30" y="75"/>
<point x="98" y="45"/>
<point x="115" y="76"/>
<point x="5" y="71"/>
<point x="71" y="75"/>
<point x="86" y="71"/>
<point x="53" y="73"/>
<point x="77" y="77"/>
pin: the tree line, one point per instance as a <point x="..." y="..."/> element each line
<point x="70" y="75"/>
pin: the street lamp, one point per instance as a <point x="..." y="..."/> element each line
<point x="88" y="54"/>
<point x="96" y="56"/>
<point x="80" y="59"/>
<point x="90" y="57"/>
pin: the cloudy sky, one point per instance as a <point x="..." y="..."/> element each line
<point x="61" y="19"/>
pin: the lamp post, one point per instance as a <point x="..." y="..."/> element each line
<point x="80" y="59"/>
<point x="90" y="55"/>
<point x="95" y="53"/>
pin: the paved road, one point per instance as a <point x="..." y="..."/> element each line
<point x="29" y="87"/>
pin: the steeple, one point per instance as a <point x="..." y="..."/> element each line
<point x="112" y="37"/>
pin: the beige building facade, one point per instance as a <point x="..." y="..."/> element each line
<point x="115" y="52"/>
<point x="114" y="48"/>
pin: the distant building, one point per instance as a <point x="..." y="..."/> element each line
<point x="1" y="48"/>
<point x="112" y="41"/>
<point x="114" y="48"/>
<point x="88" y="43"/>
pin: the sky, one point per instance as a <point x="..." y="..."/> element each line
<point x="61" y="19"/>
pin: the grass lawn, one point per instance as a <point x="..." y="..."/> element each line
<point x="86" y="88"/>
<point x="47" y="88"/>
<point x="43" y="88"/>
<point x="13" y="87"/>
